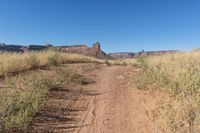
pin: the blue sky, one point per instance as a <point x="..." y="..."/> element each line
<point x="119" y="25"/>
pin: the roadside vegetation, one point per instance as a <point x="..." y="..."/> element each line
<point x="121" y="62"/>
<point x="17" y="62"/>
<point x="23" y="91"/>
<point x="178" y="77"/>
<point x="25" y="94"/>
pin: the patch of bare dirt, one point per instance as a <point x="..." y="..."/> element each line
<point x="120" y="107"/>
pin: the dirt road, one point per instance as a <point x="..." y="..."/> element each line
<point x="110" y="105"/>
<point x="119" y="108"/>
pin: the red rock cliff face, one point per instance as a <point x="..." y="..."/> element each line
<point x="74" y="49"/>
<point x="94" y="51"/>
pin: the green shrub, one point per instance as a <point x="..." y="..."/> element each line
<point x="142" y="62"/>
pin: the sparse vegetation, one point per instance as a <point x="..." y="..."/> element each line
<point x="107" y="63"/>
<point x="141" y="62"/>
<point x="177" y="75"/>
<point x="32" y="61"/>
<point x="55" y="59"/>
<point x="122" y="62"/>
<point x="25" y="94"/>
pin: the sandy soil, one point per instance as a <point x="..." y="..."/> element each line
<point x="109" y="105"/>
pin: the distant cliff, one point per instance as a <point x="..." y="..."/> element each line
<point x="10" y="48"/>
<point x="196" y="50"/>
<point x="142" y="53"/>
<point x="18" y="48"/>
<point x="122" y="55"/>
<point x="94" y="51"/>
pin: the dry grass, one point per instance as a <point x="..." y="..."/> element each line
<point x="25" y="94"/>
<point x="123" y="62"/>
<point x="16" y="62"/>
<point x="178" y="75"/>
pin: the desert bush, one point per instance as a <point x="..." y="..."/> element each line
<point x="177" y="75"/>
<point x="54" y="59"/>
<point x="124" y="64"/>
<point x="117" y="63"/>
<point x="107" y="63"/>
<point x="142" y="62"/>
<point x="32" y="61"/>
<point x="11" y="63"/>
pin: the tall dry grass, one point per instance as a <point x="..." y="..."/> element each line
<point x="178" y="76"/>
<point x="15" y="62"/>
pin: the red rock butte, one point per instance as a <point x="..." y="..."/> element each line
<point x="94" y="51"/>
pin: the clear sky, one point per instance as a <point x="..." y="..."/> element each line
<point x="119" y="25"/>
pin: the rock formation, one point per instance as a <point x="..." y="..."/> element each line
<point x="196" y="50"/>
<point x="121" y="55"/>
<point x="140" y="54"/>
<point x="36" y="47"/>
<point x="95" y="50"/>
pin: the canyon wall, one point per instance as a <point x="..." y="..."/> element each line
<point x="94" y="51"/>
<point x="142" y="53"/>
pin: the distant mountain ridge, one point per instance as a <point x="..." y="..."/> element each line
<point x="94" y="51"/>
<point x="10" y="48"/>
<point x="123" y="55"/>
